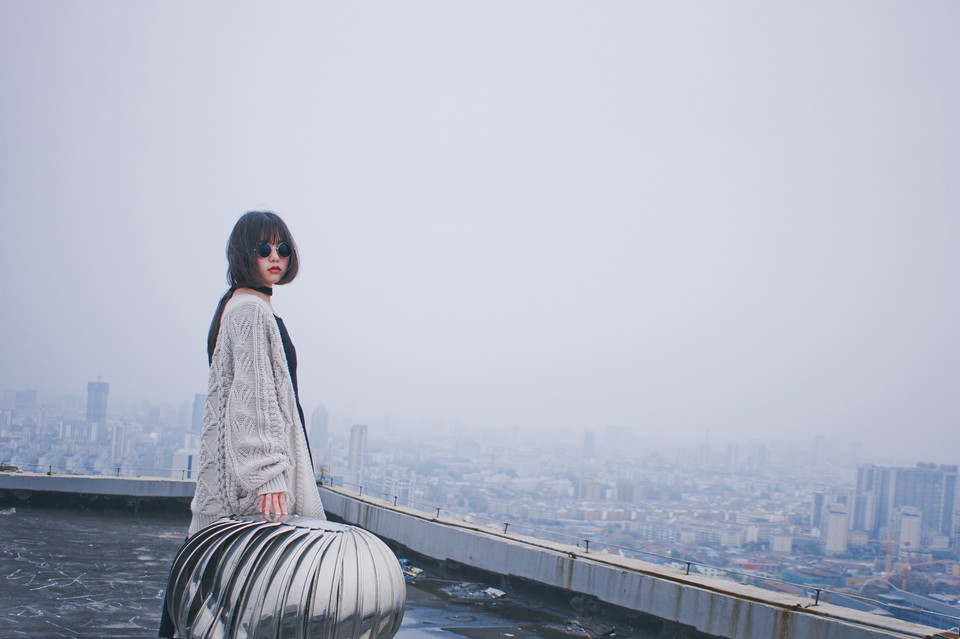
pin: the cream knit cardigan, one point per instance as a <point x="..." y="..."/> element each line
<point x="252" y="441"/>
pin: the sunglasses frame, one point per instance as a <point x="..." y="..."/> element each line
<point x="282" y="245"/>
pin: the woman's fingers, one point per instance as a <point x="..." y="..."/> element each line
<point x="273" y="505"/>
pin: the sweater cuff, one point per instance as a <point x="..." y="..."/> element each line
<point x="276" y="485"/>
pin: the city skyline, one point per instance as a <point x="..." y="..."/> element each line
<point x="188" y="412"/>
<point x="710" y="449"/>
<point x="762" y="500"/>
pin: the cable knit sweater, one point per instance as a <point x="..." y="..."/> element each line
<point x="252" y="441"/>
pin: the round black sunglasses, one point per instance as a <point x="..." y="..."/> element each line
<point x="264" y="250"/>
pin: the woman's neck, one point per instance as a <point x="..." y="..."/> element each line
<point x="243" y="290"/>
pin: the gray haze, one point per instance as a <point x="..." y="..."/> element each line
<point x="728" y="218"/>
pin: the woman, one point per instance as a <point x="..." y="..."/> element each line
<point x="254" y="457"/>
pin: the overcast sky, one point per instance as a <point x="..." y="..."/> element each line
<point x="734" y="218"/>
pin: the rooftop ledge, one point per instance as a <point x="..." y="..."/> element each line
<point x="98" y="485"/>
<point x="708" y="605"/>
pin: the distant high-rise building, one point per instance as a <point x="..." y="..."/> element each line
<point x="934" y="493"/>
<point x="733" y="453"/>
<point x="864" y="512"/>
<point x="907" y="528"/>
<point x="881" y="491"/>
<point x="118" y="444"/>
<point x="41" y="423"/>
<point x="358" y="450"/>
<point x="955" y="535"/>
<point x="705" y="454"/>
<point x="761" y="457"/>
<point x="97" y="402"/>
<point x="867" y="478"/>
<point x="589" y="444"/>
<point x="199" y="403"/>
<point x="319" y="435"/>
<point x="816" y="514"/>
<point x="835" y="535"/>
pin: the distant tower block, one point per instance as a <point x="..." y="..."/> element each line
<point x="358" y="450"/>
<point x="589" y="444"/>
<point x="97" y="402"/>
<point x="319" y="434"/>
<point x="835" y="521"/>
<point x="199" y="403"/>
<point x="907" y="528"/>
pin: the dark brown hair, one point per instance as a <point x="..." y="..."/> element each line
<point x="251" y="230"/>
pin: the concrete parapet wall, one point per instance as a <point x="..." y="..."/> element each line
<point x="712" y="606"/>
<point x="98" y="485"/>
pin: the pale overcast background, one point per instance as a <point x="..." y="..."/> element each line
<point x="730" y="218"/>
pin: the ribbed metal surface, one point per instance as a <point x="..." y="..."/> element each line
<point x="244" y="577"/>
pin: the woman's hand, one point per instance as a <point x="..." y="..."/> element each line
<point x="272" y="506"/>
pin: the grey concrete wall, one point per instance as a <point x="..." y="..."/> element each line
<point x="714" y="606"/>
<point x="97" y="485"/>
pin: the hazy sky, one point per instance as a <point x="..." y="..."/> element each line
<point x="739" y="218"/>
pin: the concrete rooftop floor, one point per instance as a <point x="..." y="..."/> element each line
<point x="72" y="572"/>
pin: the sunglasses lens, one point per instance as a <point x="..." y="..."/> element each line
<point x="264" y="250"/>
<point x="283" y="250"/>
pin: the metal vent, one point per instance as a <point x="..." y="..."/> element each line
<point x="303" y="578"/>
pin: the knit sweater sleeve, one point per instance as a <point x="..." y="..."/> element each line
<point x="255" y="439"/>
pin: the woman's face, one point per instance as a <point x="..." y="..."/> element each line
<point x="272" y="268"/>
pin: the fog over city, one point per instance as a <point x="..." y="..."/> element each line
<point x="726" y="220"/>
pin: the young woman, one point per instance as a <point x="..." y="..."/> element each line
<point x="254" y="457"/>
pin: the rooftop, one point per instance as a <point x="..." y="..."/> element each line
<point x="72" y="572"/>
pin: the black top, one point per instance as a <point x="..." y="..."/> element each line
<point x="291" y="354"/>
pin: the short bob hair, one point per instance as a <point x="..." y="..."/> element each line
<point x="251" y="230"/>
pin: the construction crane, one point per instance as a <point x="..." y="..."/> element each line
<point x="890" y="543"/>
<point x="907" y="566"/>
